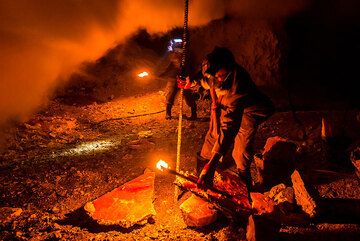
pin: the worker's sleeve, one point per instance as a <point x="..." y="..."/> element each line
<point x="198" y="80"/>
<point x="230" y="121"/>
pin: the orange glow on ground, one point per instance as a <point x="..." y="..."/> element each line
<point x="162" y="164"/>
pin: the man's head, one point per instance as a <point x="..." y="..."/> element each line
<point x="175" y="51"/>
<point x="219" y="64"/>
<point x="220" y="58"/>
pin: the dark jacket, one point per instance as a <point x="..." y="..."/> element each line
<point x="239" y="97"/>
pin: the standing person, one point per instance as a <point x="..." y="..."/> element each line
<point x="238" y="109"/>
<point x="172" y="88"/>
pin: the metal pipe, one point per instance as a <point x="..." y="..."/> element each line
<point x="194" y="180"/>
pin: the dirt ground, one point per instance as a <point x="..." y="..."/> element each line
<point x="70" y="153"/>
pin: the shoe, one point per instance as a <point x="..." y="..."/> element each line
<point x="191" y="118"/>
<point x="193" y="114"/>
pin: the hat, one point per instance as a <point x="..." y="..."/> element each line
<point x="220" y="58"/>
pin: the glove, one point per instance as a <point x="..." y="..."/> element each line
<point x="206" y="178"/>
<point x="183" y="83"/>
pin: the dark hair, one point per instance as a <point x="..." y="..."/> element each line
<point x="220" y="58"/>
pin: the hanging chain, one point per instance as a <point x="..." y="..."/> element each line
<point x="182" y="69"/>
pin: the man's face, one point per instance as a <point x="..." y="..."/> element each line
<point x="221" y="75"/>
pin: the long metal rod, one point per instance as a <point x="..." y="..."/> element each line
<point x="194" y="180"/>
<point x="183" y="61"/>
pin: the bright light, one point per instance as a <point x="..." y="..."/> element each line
<point x="178" y="40"/>
<point x="89" y="148"/>
<point x="162" y="164"/>
<point x="143" y="74"/>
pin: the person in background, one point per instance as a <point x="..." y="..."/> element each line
<point x="172" y="88"/>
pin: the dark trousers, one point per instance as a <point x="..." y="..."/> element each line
<point x="172" y="89"/>
<point x="242" y="151"/>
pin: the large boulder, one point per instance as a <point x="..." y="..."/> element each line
<point x="262" y="228"/>
<point x="276" y="163"/>
<point x="304" y="195"/>
<point x="197" y="212"/>
<point x="127" y="205"/>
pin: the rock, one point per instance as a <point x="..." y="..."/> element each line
<point x="18" y="234"/>
<point x="326" y="128"/>
<point x="355" y="159"/>
<point x="229" y="193"/>
<point x="259" y="163"/>
<point x="127" y="205"/>
<point x="58" y="178"/>
<point x="279" y="148"/>
<point x="57" y="235"/>
<point x="286" y="195"/>
<point x="154" y="235"/>
<point x="55" y="209"/>
<point x="151" y="220"/>
<point x="276" y="190"/>
<point x="302" y="196"/>
<point x="261" y="203"/>
<point x="356" y="164"/>
<point x="276" y="163"/>
<point x="8" y="214"/>
<point x="145" y="134"/>
<point x="197" y="212"/>
<point x="57" y="226"/>
<point x="285" y="200"/>
<point x="261" y="228"/>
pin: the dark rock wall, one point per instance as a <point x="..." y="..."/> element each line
<point x="321" y="58"/>
<point x="253" y="42"/>
<point x="310" y="56"/>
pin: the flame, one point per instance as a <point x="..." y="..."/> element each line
<point x="162" y="164"/>
<point x="143" y="74"/>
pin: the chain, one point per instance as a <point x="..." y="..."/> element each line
<point x="183" y="61"/>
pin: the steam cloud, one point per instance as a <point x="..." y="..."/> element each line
<point x="43" y="41"/>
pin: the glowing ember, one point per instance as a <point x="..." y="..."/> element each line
<point x="162" y="164"/>
<point x="143" y="74"/>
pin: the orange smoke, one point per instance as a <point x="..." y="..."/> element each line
<point x="43" y="41"/>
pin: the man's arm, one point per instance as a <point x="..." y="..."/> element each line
<point x="229" y="124"/>
<point x="229" y="127"/>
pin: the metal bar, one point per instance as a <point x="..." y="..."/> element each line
<point x="194" y="180"/>
<point x="183" y="61"/>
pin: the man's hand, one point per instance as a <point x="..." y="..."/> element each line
<point x="206" y="177"/>
<point x="183" y="83"/>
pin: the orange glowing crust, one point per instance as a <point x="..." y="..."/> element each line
<point x="127" y="204"/>
<point x="227" y="183"/>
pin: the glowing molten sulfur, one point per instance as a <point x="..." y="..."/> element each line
<point x="143" y="74"/>
<point x="162" y="164"/>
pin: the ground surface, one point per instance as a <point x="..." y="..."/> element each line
<point x="71" y="153"/>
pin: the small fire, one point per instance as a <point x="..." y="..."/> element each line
<point x="143" y="74"/>
<point x="162" y="164"/>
